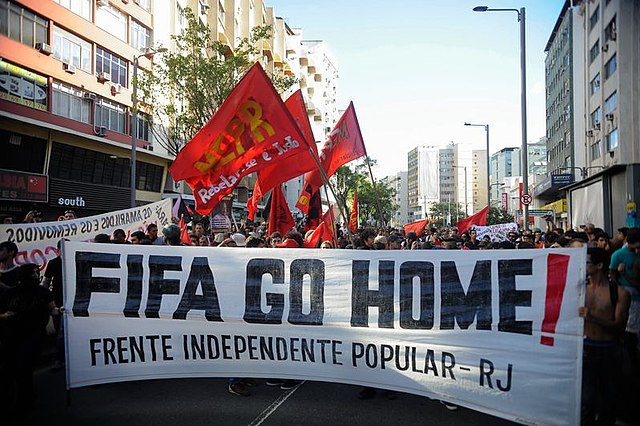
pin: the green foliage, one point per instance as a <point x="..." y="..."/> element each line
<point x="497" y="216"/>
<point x="197" y="77"/>
<point x="439" y="213"/>
<point x="346" y="181"/>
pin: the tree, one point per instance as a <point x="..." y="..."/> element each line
<point x="347" y="180"/>
<point x="189" y="84"/>
<point x="496" y="216"/>
<point x="440" y="213"/>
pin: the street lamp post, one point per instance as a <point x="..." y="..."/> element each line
<point x="523" y="101"/>
<point x="134" y="116"/>
<point x="486" y="129"/>
<point x="466" y="204"/>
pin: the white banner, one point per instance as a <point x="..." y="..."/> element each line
<point x="494" y="330"/>
<point x="498" y="232"/>
<point x="37" y="242"/>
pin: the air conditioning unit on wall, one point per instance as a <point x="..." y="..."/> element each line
<point x="104" y="76"/>
<point x="71" y="69"/>
<point x="44" y="48"/>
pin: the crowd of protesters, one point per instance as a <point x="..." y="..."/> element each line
<point x="611" y="311"/>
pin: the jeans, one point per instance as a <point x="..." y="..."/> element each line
<point x="600" y="372"/>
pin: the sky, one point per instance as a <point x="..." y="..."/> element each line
<point x="417" y="70"/>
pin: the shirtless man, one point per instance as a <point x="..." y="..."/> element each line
<point x="605" y="316"/>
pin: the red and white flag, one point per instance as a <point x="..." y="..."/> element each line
<point x="295" y="165"/>
<point x="343" y="145"/>
<point x="251" y="130"/>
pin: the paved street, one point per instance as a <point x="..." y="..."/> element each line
<point x="206" y="402"/>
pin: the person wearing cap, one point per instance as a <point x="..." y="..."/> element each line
<point x="171" y="234"/>
<point x="380" y="242"/>
<point x="8" y="268"/>
<point x="239" y="239"/>
<point x="69" y="215"/>
<point x="24" y="314"/>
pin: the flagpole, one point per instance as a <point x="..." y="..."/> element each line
<point x="325" y="178"/>
<point x="375" y="190"/>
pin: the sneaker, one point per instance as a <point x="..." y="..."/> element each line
<point x="274" y="382"/>
<point x="290" y="384"/>
<point x="239" y="389"/>
<point x="367" y="393"/>
<point x="449" y="406"/>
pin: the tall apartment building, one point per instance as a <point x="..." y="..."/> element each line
<point x="65" y="99"/>
<point x="601" y="46"/>
<point x="504" y="164"/>
<point x="479" y="178"/>
<point x="399" y="183"/>
<point x="423" y="181"/>
<point x="464" y="174"/>
<point x="447" y="174"/>
<point x="311" y="62"/>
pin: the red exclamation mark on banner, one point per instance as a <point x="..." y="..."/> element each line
<point x="557" y="266"/>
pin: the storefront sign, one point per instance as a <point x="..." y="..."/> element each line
<point x="70" y="194"/>
<point x="560" y="180"/>
<point x="23" y="87"/>
<point x="20" y="186"/>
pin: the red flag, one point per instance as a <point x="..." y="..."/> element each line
<point x="280" y="218"/>
<point x="251" y="129"/>
<point x="37" y="184"/>
<point x="297" y="165"/>
<point x="315" y="211"/>
<point x="353" y="219"/>
<point x="479" y="219"/>
<point x="416" y="227"/>
<point x="324" y="231"/>
<point x="344" y="144"/>
<point x="184" y="232"/>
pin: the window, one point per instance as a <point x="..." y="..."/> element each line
<point x="612" y="140"/>
<point x="71" y="49"/>
<point x="595" y="51"/>
<point x="22" y="25"/>
<point x="595" y="118"/>
<point x="144" y="127"/>
<point x="112" y="21"/>
<point x="221" y="14"/>
<point x="145" y="4"/>
<point x="140" y="36"/>
<point x="23" y="87"/>
<point x="83" y="165"/>
<point x="110" y="115"/>
<point x="596" y="149"/>
<point x="611" y="103"/>
<point x="610" y="30"/>
<point x="148" y="176"/>
<point x="69" y="102"/>
<point x="594" y="85"/>
<point x="114" y="65"/>
<point x="83" y="8"/>
<point x="610" y="67"/>
<point x="594" y="18"/>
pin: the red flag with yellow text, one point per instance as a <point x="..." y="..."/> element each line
<point x="251" y="130"/>
<point x="297" y="165"/>
<point x="353" y="219"/>
<point x="344" y="144"/>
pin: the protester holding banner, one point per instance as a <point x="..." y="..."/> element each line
<point x="24" y="314"/>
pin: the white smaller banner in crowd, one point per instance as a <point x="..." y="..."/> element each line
<point x="495" y="330"/>
<point x="37" y="242"/>
<point x="496" y="232"/>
